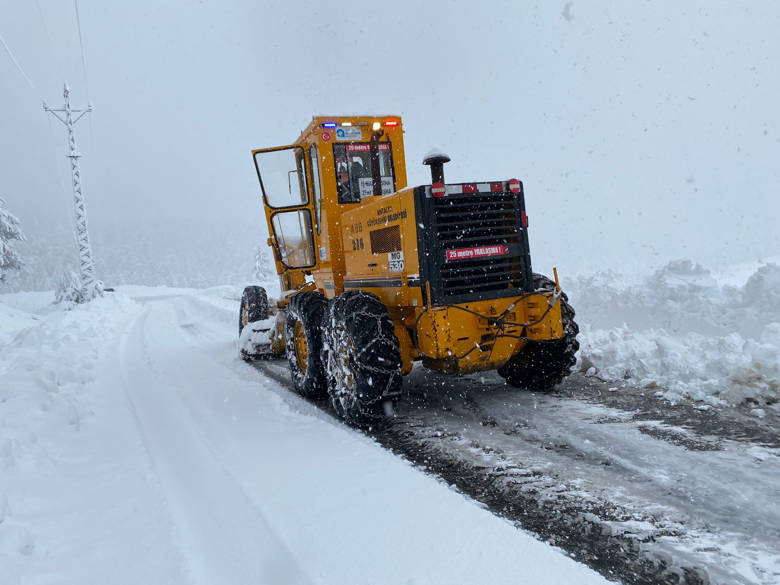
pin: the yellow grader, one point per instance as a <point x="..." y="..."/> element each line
<point x="376" y="275"/>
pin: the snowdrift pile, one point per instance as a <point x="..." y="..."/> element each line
<point x="47" y="363"/>
<point x="684" y="334"/>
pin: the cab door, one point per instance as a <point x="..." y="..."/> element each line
<point x="285" y="183"/>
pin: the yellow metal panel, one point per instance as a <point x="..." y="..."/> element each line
<point x="483" y="335"/>
<point x="408" y="352"/>
<point x="385" y="273"/>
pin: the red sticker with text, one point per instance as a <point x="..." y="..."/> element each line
<point x="478" y="252"/>
<point x="325" y="136"/>
<point x="366" y="147"/>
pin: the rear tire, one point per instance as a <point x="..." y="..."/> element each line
<point x="303" y="331"/>
<point x="363" y="358"/>
<point x="542" y="365"/>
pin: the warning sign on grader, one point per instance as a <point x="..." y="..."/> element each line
<point x="479" y="252"/>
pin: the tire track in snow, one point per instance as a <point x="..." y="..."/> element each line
<point x="480" y="443"/>
<point x="580" y="518"/>
<point x="222" y="535"/>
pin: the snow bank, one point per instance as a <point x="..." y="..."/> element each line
<point x="45" y="362"/>
<point x="11" y="321"/>
<point x="681" y="331"/>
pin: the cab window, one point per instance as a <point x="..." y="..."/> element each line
<point x="353" y="170"/>
<point x="294" y="238"/>
<point x="282" y="177"/>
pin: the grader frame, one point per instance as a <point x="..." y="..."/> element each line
<point x="438" y="273"/>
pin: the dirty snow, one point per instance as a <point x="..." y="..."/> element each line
<point x="685" y="332"/>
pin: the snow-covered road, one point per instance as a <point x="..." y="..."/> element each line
<point x="135" y="447"/>
<point x="220" y="533"/>
<point x="631" y="485"/>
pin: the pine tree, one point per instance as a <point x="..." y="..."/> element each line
<point x="9" y="231"/>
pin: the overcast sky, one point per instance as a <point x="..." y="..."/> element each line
<point x="643" y="131"/>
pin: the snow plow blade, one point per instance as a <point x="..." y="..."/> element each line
<point x="255" y="341"/>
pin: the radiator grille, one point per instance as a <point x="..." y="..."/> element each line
<point x="472" y="222"/>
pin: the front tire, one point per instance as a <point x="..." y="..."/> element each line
<point x="254" y="306"/>
<point x="363" y="359"/>
<point x="542" y="365"/>
<point x="303" y="331"/>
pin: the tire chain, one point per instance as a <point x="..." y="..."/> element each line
<point x="365" y="362"/>
<point x="518" y="371"/>
<point x="309" y="309"/>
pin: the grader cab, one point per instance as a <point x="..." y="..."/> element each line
<point x="376" y="275"/>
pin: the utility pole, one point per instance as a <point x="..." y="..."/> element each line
<point x="90" y="288"/>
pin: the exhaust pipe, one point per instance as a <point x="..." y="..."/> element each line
<point x="436" y="159"/>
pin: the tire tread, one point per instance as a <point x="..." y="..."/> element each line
<point x="541" y="366"/>
<point x="310" y="308"/>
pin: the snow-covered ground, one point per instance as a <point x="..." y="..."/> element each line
<point x="686" y="332"/>
<point x="135" y="447"/>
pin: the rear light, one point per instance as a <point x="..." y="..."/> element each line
<point x="523" y="219"/>
<point x="514" y="186"/>
<point x="391" y="122"/>
<point x="376" y="126"/>
<point x="438" y="190"/>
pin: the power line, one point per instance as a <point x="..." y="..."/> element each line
<point x="19" y="67"/>
<point x="56" y="55"/>
<point x="81" y="44"/>
<point x="43" y="22"/>
<point x="84" y="68"/>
